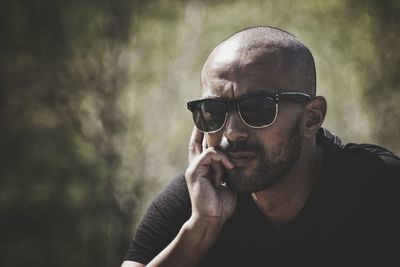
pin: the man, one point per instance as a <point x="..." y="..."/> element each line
<point x="266" y="185"/>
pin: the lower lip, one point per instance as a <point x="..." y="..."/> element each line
<point x="242" y="161"/>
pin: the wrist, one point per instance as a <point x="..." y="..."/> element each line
<point x="205" y="220"/>
<point x="208" y="227"/>
<point x="195" y="238"/>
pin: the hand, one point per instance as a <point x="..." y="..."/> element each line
<point x="210" y="199"/>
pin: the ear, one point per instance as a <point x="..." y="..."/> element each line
<point x="314" y="116"/>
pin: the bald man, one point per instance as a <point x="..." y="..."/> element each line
<point x="266" y="185"/>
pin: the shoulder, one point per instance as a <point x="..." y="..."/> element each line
<point x="170" y="208"/>
<point x="372" y="152"/>
<point x="176" y="189"/>
<point x="361" y="180"/>
<point x="370" y="158"/>
<point x="174" y="198"/>
<point x="161" y="222"/>
<point x="360" y="157"/>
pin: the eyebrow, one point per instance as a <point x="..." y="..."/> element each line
<point x="259" y="92"/>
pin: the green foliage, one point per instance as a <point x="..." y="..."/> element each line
<point x="92" y="105"/>
<point x="58" y="120"/>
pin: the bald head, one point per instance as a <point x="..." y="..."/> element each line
<point x="269" y="52"/>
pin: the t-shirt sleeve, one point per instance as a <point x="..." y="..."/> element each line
<point x="161" y="223"/>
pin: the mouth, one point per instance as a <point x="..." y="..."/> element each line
<point x="241" y="158"/>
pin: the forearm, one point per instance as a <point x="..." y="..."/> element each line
<point x="194" y="239"/>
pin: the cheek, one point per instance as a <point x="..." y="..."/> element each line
<point x="277" y="135"/>
<point x="289" y="117"/>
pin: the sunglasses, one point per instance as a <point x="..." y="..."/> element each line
<point x="256" y="111"/>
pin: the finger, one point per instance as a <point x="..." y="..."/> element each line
<point x="225" y="161"/>
<point x="214" y="139"/>
<point x="204" y="143"/>
<point x="217" y="174"/>
<point x="211" y="155"/>
<point x="195" y="143"/>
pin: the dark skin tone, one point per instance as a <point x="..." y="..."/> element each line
<point x="232" y="72"/>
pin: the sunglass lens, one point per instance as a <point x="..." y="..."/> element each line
<point x="209" y="114"/>
<point x="257" y="111"/>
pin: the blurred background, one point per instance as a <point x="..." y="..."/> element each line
<point x="93" y="119"/>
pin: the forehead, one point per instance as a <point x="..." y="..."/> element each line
<point x="234" y="73"/>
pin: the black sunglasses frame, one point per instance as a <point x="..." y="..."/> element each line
<point x="234" y="103"/>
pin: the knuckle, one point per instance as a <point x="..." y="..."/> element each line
<point x="188" y="173"/>
<point x="209" y="151"/>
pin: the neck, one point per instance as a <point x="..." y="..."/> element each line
<point x="281" y="202"/>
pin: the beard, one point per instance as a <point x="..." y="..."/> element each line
<point x="271" y="164"/>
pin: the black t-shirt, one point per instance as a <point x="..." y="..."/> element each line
<point x="351" y="218"/>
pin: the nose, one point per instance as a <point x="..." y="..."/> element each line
<point x="235" y="129"/>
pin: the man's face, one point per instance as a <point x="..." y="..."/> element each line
<point x="261" y="156"/>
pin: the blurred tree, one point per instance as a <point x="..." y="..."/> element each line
<point x="382" y="89"/>
<point x="60" y="81"/>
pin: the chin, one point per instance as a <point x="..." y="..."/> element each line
<point x="247" y="180"/>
